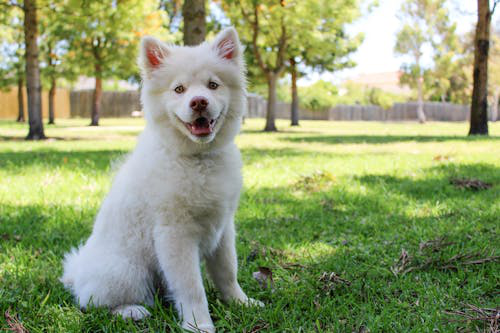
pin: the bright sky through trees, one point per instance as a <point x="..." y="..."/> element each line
<point x="380" y="26"/>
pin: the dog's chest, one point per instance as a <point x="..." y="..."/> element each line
<point x="201" y="188"/>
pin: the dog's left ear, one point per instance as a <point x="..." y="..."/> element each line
<point x="227" y="44"/>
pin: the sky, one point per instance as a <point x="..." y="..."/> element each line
<point x="380" y="26"/>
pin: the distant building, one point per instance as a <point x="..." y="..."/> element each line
<point x="387" y="81"/>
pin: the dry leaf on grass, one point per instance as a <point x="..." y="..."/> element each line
<point x="292" y="265"/>
<point x="17" y="238"/>
<point x="470" y="184"/>
<point x="435" y="244"/>
<point x="257" y="328"/>
<point x="331" y="280"/>
<point x="487" y="316"/>
<point x="402" y="264"/>
<point x="407" y="263"/>
<point x="14" y="325"/>
<point x="264" y="277"/>
<point x="362" y="329"/>
<point x="442" y="157"/>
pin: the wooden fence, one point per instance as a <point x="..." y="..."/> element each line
<point x="114" y="104"/>
<point x="122" y="104"/>
<point x="434" y="111"/>
<point x="9" y="105"/>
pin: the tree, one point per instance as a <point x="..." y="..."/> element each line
<point x="105" y="37"/>
<point x="33" y="83"/>
<point x="420" y="19"/>
<point x="291" y="34"/>
<point x="56" y="63"/>
<point x="265" y="28"/>
<point x="448" y="79"/>
<point x="319" y="41"/>
<point x="195" y="29"/>
<point x="12" y="55"/>
<point x="479" y="103"/>
<point x="494" y="74"/>
<point x="172" y="9"/>
<point x="32" y="69"/>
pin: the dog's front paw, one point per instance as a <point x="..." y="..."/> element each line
<point x="247" y="301"/>
<point x="198" y="328"/>
<point x="254" y="302"/>
<point x="135" y="312"/>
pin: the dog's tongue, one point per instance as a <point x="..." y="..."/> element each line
<point x="200" y="127"/>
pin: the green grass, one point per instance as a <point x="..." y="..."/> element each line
<point x="343" y="197"/>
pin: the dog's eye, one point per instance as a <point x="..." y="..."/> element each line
<point x="213" y="85"/>
<point x="179" y="89"/>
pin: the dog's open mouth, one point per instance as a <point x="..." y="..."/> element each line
<point x="202" y="126"/>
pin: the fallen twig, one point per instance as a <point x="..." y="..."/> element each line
<point x="14" y="324"/>
<point x="488" y="316"/>
<point x="330" y="281"/>
<point x="470" y="184"/>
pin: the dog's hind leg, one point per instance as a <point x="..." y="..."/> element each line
<point x="108" y="280"/>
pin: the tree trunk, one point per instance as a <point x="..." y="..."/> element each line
<point x="295" y="95"/>
<point x="33" y="72"/>
<point x="193" y="12"/>
<point x="271" y="103"/>
<point x="20" y="100"/>
<point x="420" y="91"/>
<point x="494" y="105"/>
<point x="96" y="106"/>
<point x="479" y="103"/>
<point x="52" y="95"/>
<point x="420" y="101"/>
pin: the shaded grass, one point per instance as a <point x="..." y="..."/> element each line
<point x="380" y="189"/>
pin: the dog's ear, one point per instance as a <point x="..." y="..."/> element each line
<point x="153" y="53"/>
<point x="227" y="44"/>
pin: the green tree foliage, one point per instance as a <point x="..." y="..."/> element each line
<point x="357" y="94"/>
<point x="320" y="95"/>
<point x="449" y="78"/>
<point x="319" y="40"/>
<point x="420" y="18"/>
<point x="264" y="26"/>
<point x="12" y="63"/>
<point x="276" y="31"/>
<point x="56" y="62"/>
<point x="426" y="25"/>
<point x="105" y="37"/>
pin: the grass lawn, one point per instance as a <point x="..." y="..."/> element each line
<point x="370" y="202"/>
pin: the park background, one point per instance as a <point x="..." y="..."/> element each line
<point x="366" y="207"/>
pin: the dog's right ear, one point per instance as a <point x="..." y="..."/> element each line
<point x="153" y="53"/>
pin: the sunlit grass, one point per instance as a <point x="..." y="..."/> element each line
<point x="343" y="197"/>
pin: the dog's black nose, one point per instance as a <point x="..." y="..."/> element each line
<point x="198" y="103"/>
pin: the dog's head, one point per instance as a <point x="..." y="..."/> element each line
<point x="195" y="95"/>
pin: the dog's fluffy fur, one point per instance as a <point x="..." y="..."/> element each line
<point x="173" y="201"/>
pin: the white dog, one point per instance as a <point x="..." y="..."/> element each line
<point x="173" y="201"/>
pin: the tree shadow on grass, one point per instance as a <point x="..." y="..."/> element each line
<point x="438" y="185"/>
<point x="382" y="139"/>
<point x="287" y="215"/>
